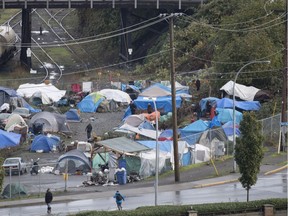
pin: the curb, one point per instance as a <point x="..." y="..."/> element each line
<point x="215" y="183"/>
<point x="276" y="170"/>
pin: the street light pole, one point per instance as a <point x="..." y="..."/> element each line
<point x="157" y="151"/>
<point x="157" y="156"/>
<point x="234" y="118"/>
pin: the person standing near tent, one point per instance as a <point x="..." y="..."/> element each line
<point x="149" y="108"/>
<point x="88" y="129"/>
<point x="132" y="107"/>
<point x="48" y="200"/>
<point x="119" y="198"/>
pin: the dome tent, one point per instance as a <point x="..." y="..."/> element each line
<point x="77" y="162"/>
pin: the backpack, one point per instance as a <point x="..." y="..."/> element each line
<point x="119" y="197"/>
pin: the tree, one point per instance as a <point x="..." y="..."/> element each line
<point x="248" y="150"/>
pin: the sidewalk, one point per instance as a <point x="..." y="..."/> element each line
<point x="233" y="177"/>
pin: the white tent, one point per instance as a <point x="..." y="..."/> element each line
<point x="27" y="90"/>
<point x="116" y="95"/>
<point x="243" y="92"/>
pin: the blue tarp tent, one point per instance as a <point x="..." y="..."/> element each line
<point x="29" y="107"/>
<point x="45" y="143"/>
<point x="242" y="105"/>
<point x="192" y="132"/>
<point x="225" y="115"/>
<point x="9" y="139"/>
<point x="72" y="115"/>
<point x="163" y="104"/>
<point x="228" y="129"/>
<point x="91" y="102"/>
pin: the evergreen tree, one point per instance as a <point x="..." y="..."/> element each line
<point x="249" y="151"/>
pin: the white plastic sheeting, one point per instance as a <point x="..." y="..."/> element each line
<point x="243" y="92"/>
<point x="28" y="89"/>
<point x="116" y="95"/>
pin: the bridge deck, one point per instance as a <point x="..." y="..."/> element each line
<point x="157" y="4"/>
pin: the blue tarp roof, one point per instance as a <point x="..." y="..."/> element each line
<point x="45" y="143"/>
<point x="243" y="105"/>
<point x="203" y="102"/>
<point x="225" y="115"/>
<point x="192" y="132"/>
<point x="228" y="129"/>
<point x="9" y="139"/>
<point x="163" y="145"/>
<point x="163" y="103"/>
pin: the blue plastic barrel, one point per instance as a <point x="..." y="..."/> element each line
<point x="121" y="177"/>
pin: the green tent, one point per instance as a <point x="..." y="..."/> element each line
<point x="16" y="190"/>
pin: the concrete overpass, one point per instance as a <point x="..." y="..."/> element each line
<point x="156" y="4"/>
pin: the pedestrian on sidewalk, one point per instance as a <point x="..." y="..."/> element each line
<point x="119" y="198"/>
<point x="48" y="200"/>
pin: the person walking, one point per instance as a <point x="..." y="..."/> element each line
<point x="48" y="200"/>
<point x="119" y="198"/>
<point x="88" y="129"/>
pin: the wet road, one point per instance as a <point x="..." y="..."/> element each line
<point x="274" y="186"/>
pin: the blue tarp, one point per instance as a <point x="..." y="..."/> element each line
<point x="163" y="103"/>
<point x="228" y="129"/>
<point x="45" y="143"/>
<point x="243" y="105"/>
<point x="29" y="107"/>
<point x="9" y="139"/>
<point x="72" y="115"/>
<point x="10" y="92"/>
<point x="192" y="132"/>
<point x="225" y="115"/>
<point x="203" y="101"/>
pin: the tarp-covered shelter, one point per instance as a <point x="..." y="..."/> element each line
<point x="225" y="115"/>
<point x="214" y="139"/>
<point x="203" y="102"/>
<point x="42" y="143"/>
<point x="6" y="94"/>
<point x="229" y="130"/>
<point x="27" y="90"/>
<point x="163" y="103"/>
<point x="77" y="163"/>
<point x="240" y="105"/>
<point x="116" y="95"/>
<point x="16" y="190"/>
<point x="156" y="90"/>
<point x="247" y="93"/>
<point x="91" y="102"/>
<point x="9" y="139"/>
<point x="139" y="130"/>
<point x="73" y="115"/>
<point x="52" y="122"/>
<point x="192" y="132"/>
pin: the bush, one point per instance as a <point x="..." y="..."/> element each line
<point x="202" y="209"/>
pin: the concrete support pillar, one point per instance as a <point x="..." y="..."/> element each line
<point x="25" y="36"/>
<point x="268" y="210"/>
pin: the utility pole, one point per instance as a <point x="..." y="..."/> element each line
<point x="284" y="113"/>
<point x="174" y="110"/>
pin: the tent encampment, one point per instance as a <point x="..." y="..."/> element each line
<point x="6" y="94"/>
<point x="39" y="97"/>
<point x="42" y="143"/>
<point x="14" y="120"/>
<point x="225" y="115"/>
<point x="77" y="163"/>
